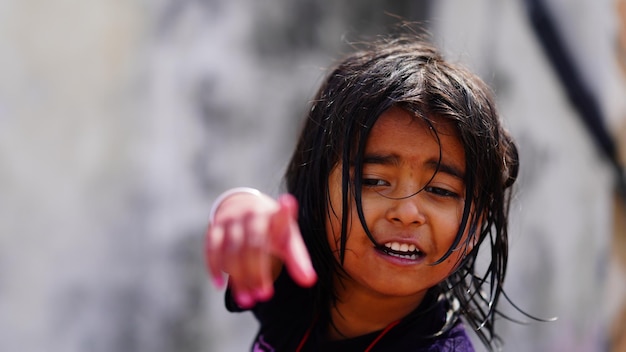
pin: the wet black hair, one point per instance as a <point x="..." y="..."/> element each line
<point x="409" y="73"/>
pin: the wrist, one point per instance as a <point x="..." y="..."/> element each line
<point x="222" y="197"/>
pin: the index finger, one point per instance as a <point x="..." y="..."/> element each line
<point x="290" y="246"/>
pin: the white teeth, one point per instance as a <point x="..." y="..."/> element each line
<point x="404" y="256"/>
<point x="401" y="247"/>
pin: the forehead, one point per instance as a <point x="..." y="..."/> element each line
<point x="401" y="139"/>
<point x="399" y="121"/>
<point x="397" y="125"/>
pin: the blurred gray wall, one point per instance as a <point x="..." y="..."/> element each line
<point x="561" y="262"/>
<point x="120" y="121"/>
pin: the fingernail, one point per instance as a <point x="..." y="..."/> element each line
<point x="244" y="300"/>
<point x="312" y="276"/>
<point x="218" y="281"/>
<point x="263" y="293"/>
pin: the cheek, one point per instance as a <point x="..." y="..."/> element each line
<point x="333" y="231"/>
<point x="333" y="213"/>
<point x="453" y="224"/>
<point x="333" y="221"/>
<point x="464" y="247"/>
<point x="471" y="242"/>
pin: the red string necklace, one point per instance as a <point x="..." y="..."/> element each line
<point x="368" y="349"/>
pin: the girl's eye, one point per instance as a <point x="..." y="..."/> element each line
<point x="441" y="192"/>
<point x="373" y="182"/>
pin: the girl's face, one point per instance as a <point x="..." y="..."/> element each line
<point x="401" y="156"/>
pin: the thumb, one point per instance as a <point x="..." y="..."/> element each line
<point x="290" y="246"/>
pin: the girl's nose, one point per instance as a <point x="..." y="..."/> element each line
<point x="406" y="211"/>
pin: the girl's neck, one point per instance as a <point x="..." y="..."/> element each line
<point x="358" y="312"/>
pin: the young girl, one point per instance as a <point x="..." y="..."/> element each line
<point x="401" y="174"/>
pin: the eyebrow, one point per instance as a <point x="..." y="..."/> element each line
<point x="449" y="169"/>
<point x="434" y="164"/>
<point x="381" y="159"/>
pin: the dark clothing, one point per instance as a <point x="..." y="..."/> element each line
<point x="287" y="317"/>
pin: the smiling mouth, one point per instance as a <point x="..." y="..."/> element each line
<point x="401" y="250"/>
